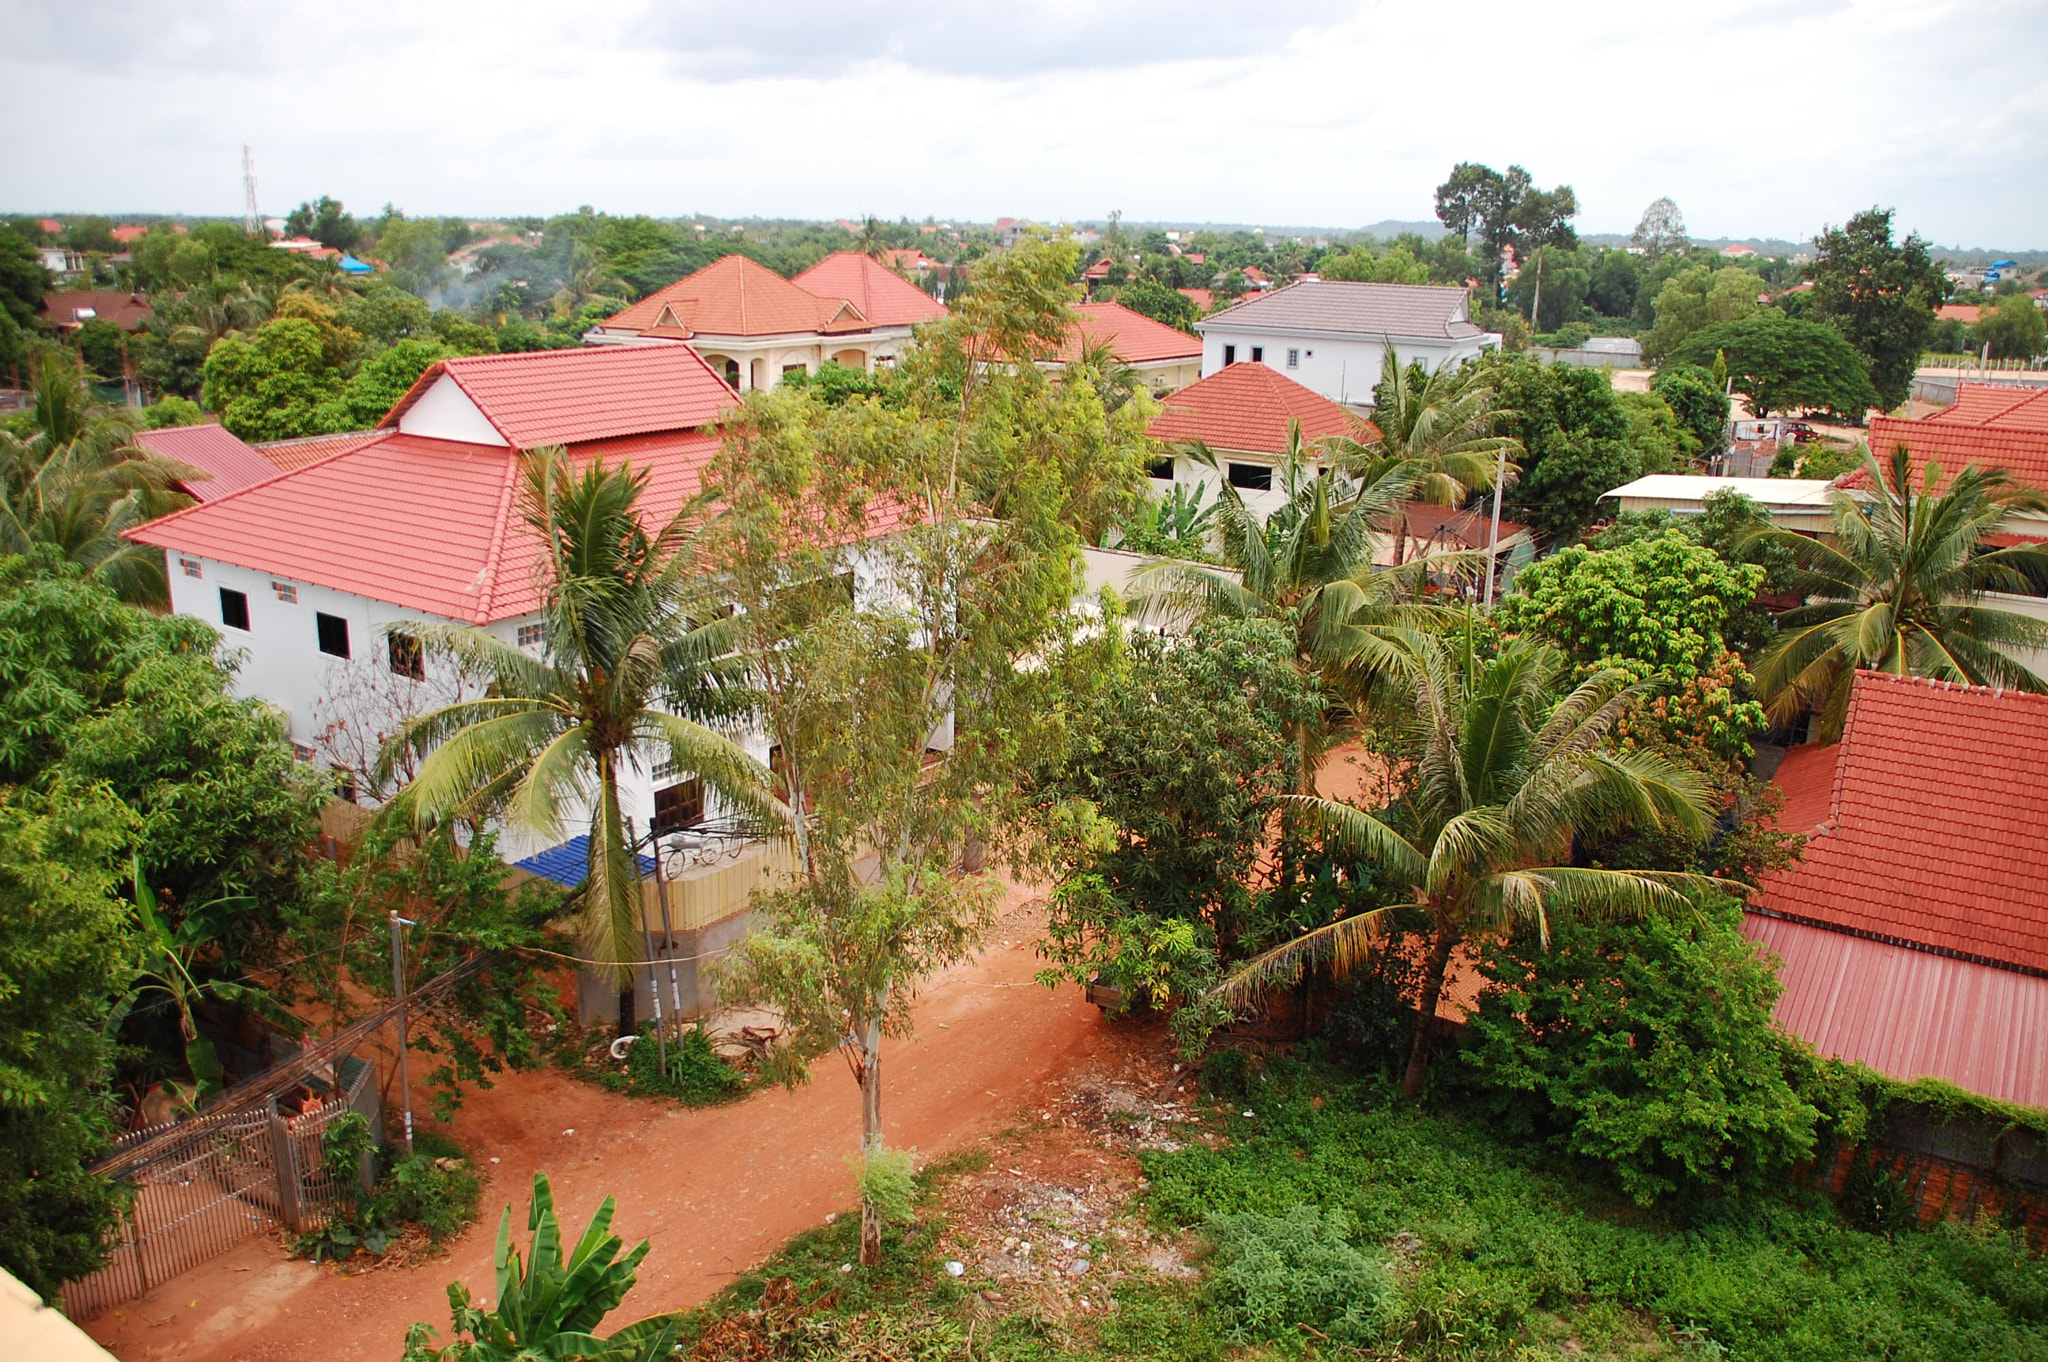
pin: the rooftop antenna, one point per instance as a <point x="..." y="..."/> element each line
<point x="252" y="219"/>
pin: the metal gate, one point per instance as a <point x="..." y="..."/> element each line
<point x="210" y="1183"/>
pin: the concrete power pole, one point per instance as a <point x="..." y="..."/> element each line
<point x="252" y="218"/>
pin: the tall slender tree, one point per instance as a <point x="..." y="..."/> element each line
<point x="634" y="671"/>
<point x="1902" y="589"/>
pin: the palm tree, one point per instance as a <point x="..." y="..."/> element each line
<point x="1440" y="424"/>
<point x="1310" y="566"/>
<point x="1503" y="774"/>
<point x="630" y="670"/>
<point x="79" y="480"/>
<point x="1902" y="590"/>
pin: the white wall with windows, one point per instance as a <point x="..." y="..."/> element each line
<point x="1339" y="366"/>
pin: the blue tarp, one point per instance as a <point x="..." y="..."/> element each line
<point x="354" y="266"/>
<point x="569" y="862"/>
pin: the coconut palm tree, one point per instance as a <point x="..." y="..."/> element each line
<point x="632" y="669"/>
<point x="1503" y="773"/>
<point x="79" y="479"/>
<point x="1442" y="424"/>
<point x="1901" y="589"/>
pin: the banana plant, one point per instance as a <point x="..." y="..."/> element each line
<point x="548" y="1307"/>
<point x="165" y="966"/>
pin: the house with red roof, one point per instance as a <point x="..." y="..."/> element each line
<point x="1331" y="335"/>
<point x="1165" y="357"/>
<point x="1912" y="934"/>
<point x="229" y="465"/>
<point x="1243" y="417"/>
<point x="752" y="326"/>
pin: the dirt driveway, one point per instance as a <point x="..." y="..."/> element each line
<point x="715" y="1191"/>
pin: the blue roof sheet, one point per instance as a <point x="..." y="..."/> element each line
<point x="569" y="862"/>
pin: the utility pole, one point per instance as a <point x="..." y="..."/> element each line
<point x="398" y="926"/>
<point x="668" y="938"/>
<point x="1536" y="308"/>
<point x="1500" y="475"/>
<point x="653" y="984"/>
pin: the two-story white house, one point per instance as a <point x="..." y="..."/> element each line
<point x="1331" y="336"/>
<point x="306" y="574"/>
<point x="752" y="326"/>
<point x="1242" y="416"/>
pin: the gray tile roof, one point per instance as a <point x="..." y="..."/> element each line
<point x="1359" y="309"/>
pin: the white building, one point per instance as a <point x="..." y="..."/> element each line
<point x="1331" y="335"/>
<point x="752" y="326"/>
<point x="1799" y="504"/>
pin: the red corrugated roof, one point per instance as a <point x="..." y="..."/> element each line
<point x="1989" y="427"/>
<point x="1136" y="338"/>
<point x="233" y="464"/>
<point x="735" y="296"/>
<point x="1911" y="1014"/>
<point x="547" y="397"/>
<point x="1248" y="407"/>
<point x="288" y="455"/>
<point x="1932" y="833"/>
<point x="883" y="296"/>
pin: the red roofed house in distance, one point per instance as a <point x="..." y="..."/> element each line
<point x="304" y="572"/>
<point x="752" y="326"/>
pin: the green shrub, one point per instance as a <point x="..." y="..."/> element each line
<point x="697" y="1075"/>
<point x="1273" y="1274"/>
<point x="433" y="1188"/>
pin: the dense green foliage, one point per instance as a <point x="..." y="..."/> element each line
<point x="2014" y="328"/>
<point x="1160" y="303"/>
<point x="1879" y="294"/>
<point x="1273" y="1274"/>
<point x="1697" y="402"/>
<point x="434" y="1189"/>
<point x="1574" y="435"/>
<point x="1783" y="364"/>
<point x="695" y="1075"/>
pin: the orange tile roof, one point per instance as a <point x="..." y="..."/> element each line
<point x="883" y="296"/>
<point x="1136" y="338"/>
<point x="1248" y="407"/>
<point x="1959" y="312"/>
<point x="1204" y="298"/>
<point x="233" y="464"/>
<point x="735" y="296"/>
<point x="546" y="397"/>
<point x="1422" y="523"/>
<point x="1931" y="834"/>
<point x="1990" y="427"/>
<point x="125" y="310"/>
<point x="287" y="455"/>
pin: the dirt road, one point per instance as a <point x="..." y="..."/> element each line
<point x="715" y="1191"/>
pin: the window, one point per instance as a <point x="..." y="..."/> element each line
<point x="1258" y="354"/>
<point x="530" y="635"/>
<point x="189" y="566"/>
<point x="1230" y="354"/>
<point x="302" y="752"/>
<point x="1251" y="477"/>
<point x="234" y="609"/>
<point x="679" y="806"/>
<point x="1293" y="358"/>
<point x="789" y="369"/>
<point x="732" y="374"/>
<point x="286" y="592"/>
<point x="1161" y="469"/>
<point x="333" y="631"/>
<point x="346" y="788"/>
<point x="407" y="657"/>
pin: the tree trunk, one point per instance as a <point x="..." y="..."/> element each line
<point x="871" y="1138"/>
<point x="629" y="1016"/>
<point x="1434" y="968"/>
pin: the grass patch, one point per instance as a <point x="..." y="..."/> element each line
<point x="696" y="1074"/>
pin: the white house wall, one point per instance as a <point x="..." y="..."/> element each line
<point x="1341" y="368"/>
<point x="444" y="412"/>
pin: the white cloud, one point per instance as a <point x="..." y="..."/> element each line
<point x="1758" y="118"/>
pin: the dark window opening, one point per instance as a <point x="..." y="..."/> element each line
<point x="679" y="806"/>
<point x="333" y="630"/>
<point x="234" y="609"/>
<point x="1161" y="469"/>
<point x="732" y="374"/>
<point x="407" y="657"/>
<point x="347" y="789"/>
<point x="1251" y="477"/>
<point x="1258" y="354"/>
<point x="1230" y="354"/>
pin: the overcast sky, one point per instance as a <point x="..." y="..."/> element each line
<point x="1760" y="118"/>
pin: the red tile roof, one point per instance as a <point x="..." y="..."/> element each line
<point x="233" y="464"/>
<point x="1911" y="1014"/>
<point x="1932" y="829"/>
<point x="1248" y="407"/>
<point x="545" y="397"/>
<point x="1204" y="298"/>
<point x="126" y="310"/>
<point x="1136" y="338"/>
<point x="288" y="455"/>
<point x="1988" y="426"/>
<point x="735" y="296"/>
<point x="1450" y="527"/>
<point x="883" y="296"/>
<point x="1959" y="312"/>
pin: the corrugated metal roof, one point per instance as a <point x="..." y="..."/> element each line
<point x="1909" y="1013"/>
<point x="1800" y="492"/>
<point x="568" y="863"/>
<point x="1343" y="307"/>
<point x="233" y="464"/>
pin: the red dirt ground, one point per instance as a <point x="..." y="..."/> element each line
<point x="716" y="1191"/>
